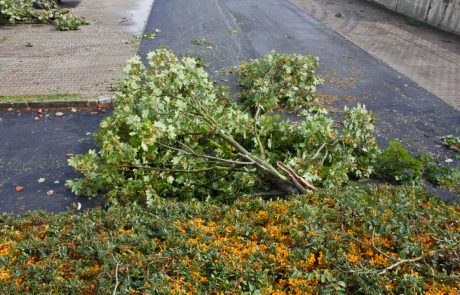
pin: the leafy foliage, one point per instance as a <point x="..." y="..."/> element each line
<point x="17" y="11"/>
<point x="288" y="80"/>
<point x="366" y="240"/>
<point x="452" y="142"/>
<point x="396" y="163"/>
<point x="174" y="134"/>
<point x="69" y="22"/>
<point x="446" y="177"/>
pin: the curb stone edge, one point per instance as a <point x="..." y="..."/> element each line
<point x="103" y="100"/>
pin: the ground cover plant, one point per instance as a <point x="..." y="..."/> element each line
<point x="357" y="240"/>
<point x="25" y="11"/>
<point x="437" y="174"/>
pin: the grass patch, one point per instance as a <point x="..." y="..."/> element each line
<point x="43" y="97"/>
<point x="412" y="22"/>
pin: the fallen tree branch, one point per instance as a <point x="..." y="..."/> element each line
<point x="301" y="183"/>
<point x="264" y="167"/>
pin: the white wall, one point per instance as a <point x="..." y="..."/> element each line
<point x="444" y="14"/>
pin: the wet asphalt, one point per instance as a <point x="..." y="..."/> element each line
<point x="33" y="155"/>
<point x="223" y="33"/>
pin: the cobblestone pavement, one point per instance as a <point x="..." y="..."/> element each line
<point x="428" y="56"/>
<point x="85" y="61"/>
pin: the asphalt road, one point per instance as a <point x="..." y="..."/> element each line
<point x="33" y="155"/>
<point x="223" y="33"/>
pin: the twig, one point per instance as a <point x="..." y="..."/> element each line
<point x="265" y="194"/>
<point x="179" y="170"/>
<point x="265" y="167"/>
<point x="116" y="276"/>
<point x="369" y="245"/>
<point x="383" y="271"/>
<point x="399" y="263"/>
<point x="317" y="153"/>
<point x="187" y="147"/>
<point x="206" y="156"/>
<point x="256" y="134"/>
<point x="324" y="158"/>
<point x="378" y="250"/>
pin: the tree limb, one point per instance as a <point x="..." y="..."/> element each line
<point x="301" y="183"/>
<point x="206" y="156"/>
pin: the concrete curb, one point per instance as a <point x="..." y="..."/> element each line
<point x="103" y="100"/>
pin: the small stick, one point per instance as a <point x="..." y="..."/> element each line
<point x="116" y="276"/>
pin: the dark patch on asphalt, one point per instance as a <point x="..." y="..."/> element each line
<point x="240" y="30"/>
<point x="33" y="150"/>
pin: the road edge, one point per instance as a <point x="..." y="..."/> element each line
<point x="103" y="100"/>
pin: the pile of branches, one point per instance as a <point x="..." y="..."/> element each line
<point x="39" y="11"/>
<point x="174" y="133"/>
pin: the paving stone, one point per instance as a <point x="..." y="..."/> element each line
<point x="426" y="55"/>
<point x="84" y="61"/>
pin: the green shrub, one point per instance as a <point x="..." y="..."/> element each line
<point x="17" y="11"/>
<point x="446" y="177"/>
<point x="396" y="163"/>
<point x="287" y="80"/>
<point x="369" y="240"/>
<point x="174" y="134"/>
<point x="66" y="22"/>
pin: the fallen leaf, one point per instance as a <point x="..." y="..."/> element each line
<point x="19" y="188"/>
<point x="69" y="155"/>
<point x="59" y="114"/>
<point x="50" y="192"/>
<point x="41" y="180"/>
<point x="9" y="110"/>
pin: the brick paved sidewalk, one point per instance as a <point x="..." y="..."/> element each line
<point x="87" y="61"/>
<point x="428" y="56"/>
